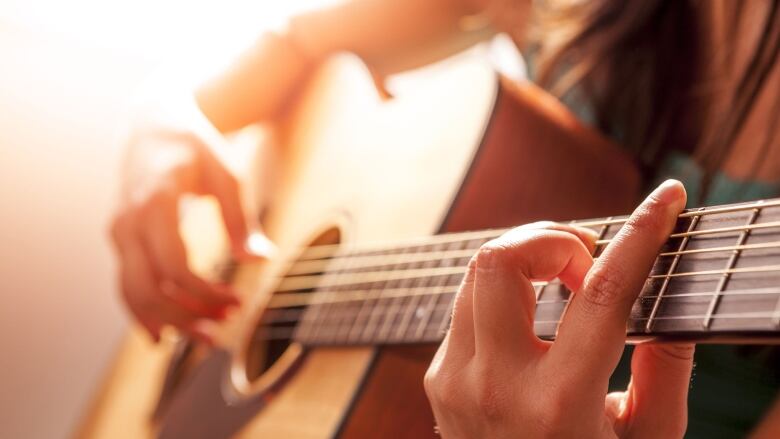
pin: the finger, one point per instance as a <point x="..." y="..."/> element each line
<point x="150" y="305"/>
<point x="167" y="252"/>
<point x="123" y="237"/>
<point x="504" y="298"/>
<point x="658" y="395"/>
<point x="458" y="344"/>
<point x="594" y="328"/>
<point x="219" y="182"/>
<point x="586" y="235"/>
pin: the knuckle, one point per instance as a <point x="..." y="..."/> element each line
<point x="430" y="383"/>
<point x="444" y="395"/>
<point x="491" y="254"/>
<point x="554" y="415"/>
<point x="603" y="288"/>
<point x="491" y="397"/>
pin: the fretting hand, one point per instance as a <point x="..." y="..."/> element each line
<point x="493" y="377"/>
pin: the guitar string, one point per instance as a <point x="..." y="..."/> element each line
<point x="292" y="315"/>
<point x="327" y="251"/>
<point x="380" y="261"/>
<point x="286" y="333"/>
<point x="292" y="284"/>
<point x="301" y="282"/>
<point x="293" y="299"/>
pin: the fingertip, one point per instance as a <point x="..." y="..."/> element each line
<point x="203" y="331"/>
<point x="670" y="192"/>
<point x="257" y="245"/>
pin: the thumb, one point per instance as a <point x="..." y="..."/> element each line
<point x="658" y="394"/>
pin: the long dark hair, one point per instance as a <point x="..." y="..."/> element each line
<point x="640" y="64"/>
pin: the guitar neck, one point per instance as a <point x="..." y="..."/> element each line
<point x="716" y="278"/>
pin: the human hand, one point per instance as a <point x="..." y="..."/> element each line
<point x="155" y="280"/>
<point x="493" y="377"/>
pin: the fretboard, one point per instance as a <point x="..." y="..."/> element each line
<point x="716" y="278"/>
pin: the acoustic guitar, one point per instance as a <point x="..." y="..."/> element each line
<point x="379" y="206"/>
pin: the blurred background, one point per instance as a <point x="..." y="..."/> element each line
<point x="68" y="72"/>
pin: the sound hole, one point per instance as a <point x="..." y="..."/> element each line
<point x="273" y="332"/>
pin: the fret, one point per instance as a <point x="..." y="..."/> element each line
<point x="412" y="308"/>
<point x="446" y="317"/>
<point x="313" y="316"/>
<point x="374" y="316"/>
<point x="406" y="294"/>
<point x="330" y="318"/>
<point x="550" y="307"/>
<point x="713" y="305"/>
<point x="365" y="312"/>
<point x="776" y="316"/>
<point x="672" y="267"/>
<point x="602" y="233"/>
<point x="340" y="328"/>
<point x="384" y="329"/>
<point x="540" y="291"/>
<point x="437" y="286"/>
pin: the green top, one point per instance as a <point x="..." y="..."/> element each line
<point x="732" y="386"/>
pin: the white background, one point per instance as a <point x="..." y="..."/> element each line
<point x="67" y="72"/>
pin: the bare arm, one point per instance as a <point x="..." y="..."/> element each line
<point x="156" y="282"/>
<point x="390" y="35"/>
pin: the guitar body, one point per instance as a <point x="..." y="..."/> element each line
<point x="455" y="149"/>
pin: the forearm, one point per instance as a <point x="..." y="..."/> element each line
<point x="256" y="85"/>
<point x="389" y="35"/>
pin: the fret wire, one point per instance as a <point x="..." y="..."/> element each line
<point x="447" y="316"/>
<point x="311" y="316"/>
<point x="384" y="329"/>
<point x="364" y="312"/>
<point x="330" y="249"/>
<point x="776" y="318"/>
<point x="672" y="268"/>
<point x="332" y="292"/>
<point x="412" y="303"/>
<point x="439" y="285"/>
<point x="729" y="265"/>
<point x="347" y="325"/>
<point x="371" y="324"/>
<point x="540" y="292"/>
<point x="768" y="291"/>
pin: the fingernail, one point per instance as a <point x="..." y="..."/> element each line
<point x="590" y="232"/>
<point x="669" y="192"/>
<point x="259" y="245"/>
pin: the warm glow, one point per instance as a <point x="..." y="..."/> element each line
<point x="68" y="70"/>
